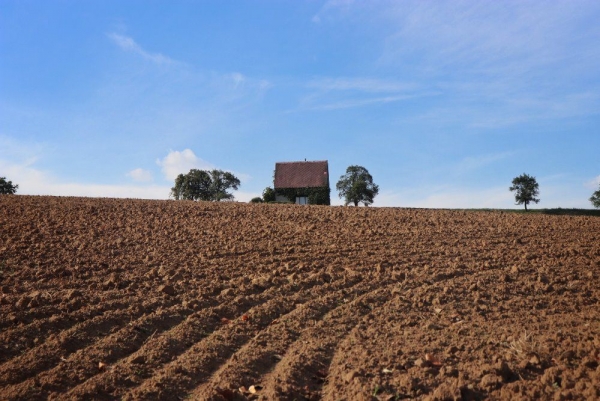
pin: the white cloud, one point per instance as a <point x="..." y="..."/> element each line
<point x="33" y="181"/>
<point x="141" y="175"/>
<point x="176" y="163"/>
<point x="128" y="44"/>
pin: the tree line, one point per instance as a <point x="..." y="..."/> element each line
<point x="355" y="186"/>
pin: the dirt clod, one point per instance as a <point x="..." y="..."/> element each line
<point x="167" y="289"/>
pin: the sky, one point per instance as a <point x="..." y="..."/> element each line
<point x="444" y="102"/>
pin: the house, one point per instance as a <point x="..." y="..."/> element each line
<point x="303" y="183"/>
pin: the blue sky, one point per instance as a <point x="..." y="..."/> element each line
<point x="444" y="102"/>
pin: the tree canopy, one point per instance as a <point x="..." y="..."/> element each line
<point x="356" y="186"/>
<point x="205" y="185"/>
<point x="7" y="187"/>
<point x="526" y="189"/>
<point x="595" y="199"/>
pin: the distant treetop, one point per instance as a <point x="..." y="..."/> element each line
<point x="7" y="187"/>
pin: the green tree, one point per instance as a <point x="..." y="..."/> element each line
<point x="526" y="189"/>
<point x="357" y="186"/>
<point x="595" y="199"/>
<point x="222" y="181"/>
<point x="7" y="187"/>
<point x="268" y="195"/>
<point x="204" y="185"/>
<point x="256" y="199"/>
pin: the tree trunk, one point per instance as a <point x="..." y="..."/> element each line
<point x="525" y="206"/>
<point x="355" y="203"/>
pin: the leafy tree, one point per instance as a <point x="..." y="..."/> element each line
<point x="204" y="185"/>
<point x="595" y="199"/>
<point x="268" y="195"/>
<point x="194" y="185"/>
<point x="257" y="199"/>
<point x="357" y="186"/>
<point x="526" y="189"/>
<point x="7" y="187"/>
<point x="221" y="182"/>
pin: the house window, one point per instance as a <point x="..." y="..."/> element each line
<point x="301" y="200"/>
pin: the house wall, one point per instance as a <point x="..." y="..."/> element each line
<point x="316" y="195"/>
<point x="281" y="198"/>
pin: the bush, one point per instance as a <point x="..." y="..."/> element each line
<point x="268" y="195"/>
<point x="258" y="199"/>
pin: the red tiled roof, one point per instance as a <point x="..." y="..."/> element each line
<point x="302" y="174"/>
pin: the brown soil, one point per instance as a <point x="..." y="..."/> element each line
<point x="133" y="299"/>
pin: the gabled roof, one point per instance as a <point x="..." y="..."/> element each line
<point x="302" y="174"/>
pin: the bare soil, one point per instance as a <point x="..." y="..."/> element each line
<point x="135" y="299"/>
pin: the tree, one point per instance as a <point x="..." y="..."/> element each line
<point x="357" y="186"/>
<point x="595" y="199"/>
<point x="256" y="199"/>
<point x="221" y="182"/>
<point x="526" y="189"/>
<point x="204" y="185"/>
<point x="268" y="195"/>
<point x="7" y="187"/>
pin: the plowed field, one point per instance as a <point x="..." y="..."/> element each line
<point x="134" y="299"/>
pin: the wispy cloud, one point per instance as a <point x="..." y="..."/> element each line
<point x="369" y="85"/>
<point x="140" y="175"/>
<point x="343" y="92"/>
<point x="490" y="37"/>
<point x="476" y="162"/>
<point x="594" y="183"/>
<point x="129" y="44"/>
<point x="331" y="5"/>
<point x="345" y="104"/>
<point x="238" y="79"/>
<point x="493" y="63"/>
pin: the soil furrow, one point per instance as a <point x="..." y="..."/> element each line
<point x="169" y="345"/>
<point x="62" y="345"/>
<point x="204" y="358"/>
<point x="304" y="368"/>
<point x="23" y="338"/>
<point x="260" y="354"/>
<point x="87" y="361"/>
